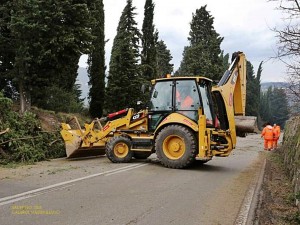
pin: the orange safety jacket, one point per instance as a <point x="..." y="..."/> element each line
<point x="187" y="102"/>
<point x="268" y="132"/>
<point x="276" y="131"/>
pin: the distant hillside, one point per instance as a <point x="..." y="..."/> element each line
<point x="284" y="85"/>
<point x="83" y="80"/>
<point x="266" y="85"/>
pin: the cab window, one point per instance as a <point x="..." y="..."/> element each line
<point x="161" y="97"/>
<point x="187" y="97"/>
<point x="206" y="101"/>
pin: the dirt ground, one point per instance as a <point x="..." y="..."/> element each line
<point x="277" y="203"/>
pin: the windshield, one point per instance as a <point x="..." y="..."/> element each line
<point x="186" y="99"/>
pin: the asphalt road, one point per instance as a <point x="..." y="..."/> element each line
<point x="95" y="191"/>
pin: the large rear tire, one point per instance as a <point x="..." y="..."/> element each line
<point x="176" y="147"/>
<point x="118" y="149"/>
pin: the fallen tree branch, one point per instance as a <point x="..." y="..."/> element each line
<point x="15" y="139"/>
<point x="5" y="131"/>
<point x="52" y="142"/>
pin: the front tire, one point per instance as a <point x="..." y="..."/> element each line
<point x="176" y="147"/>
<point x="118" y="149"/>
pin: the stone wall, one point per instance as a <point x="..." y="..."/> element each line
<point x="291" y="151"/>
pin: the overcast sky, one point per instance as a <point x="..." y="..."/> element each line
<point x="245" y="25"/>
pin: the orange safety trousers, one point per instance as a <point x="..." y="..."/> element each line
<point x="267" y="133"/>
<point x="276" y="136"/>
<point x="275" y="142"/>
<point x="268" y="144"/>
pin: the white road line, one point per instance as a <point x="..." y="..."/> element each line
<point x="38" y="191"/>
<point x="120" y="171"/>
<point x="33" y="195"/>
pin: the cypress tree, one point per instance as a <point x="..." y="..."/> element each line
<point x="124" y="78"/>
<point x="252" y="93"/>
<point x="96" y="61"/>
<point x="202" y="56"/>
<point x="164" y="58"/>
<point x="149" y="40"/>
<point x="225" y="60"/>
<point x="258" y="91"/>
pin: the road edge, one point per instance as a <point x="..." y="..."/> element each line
<point x="256" y="201"/>
<point x="252" y="199"/>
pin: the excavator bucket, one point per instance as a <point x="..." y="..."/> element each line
<point x="74" y="142"/>
<point x="245" y="124"/>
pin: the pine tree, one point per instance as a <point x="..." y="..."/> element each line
<point x="149" y="40"/>
<point x="124" y="79"/>
<point x="202" y="56"/>
<point x="96" y="60"/>
<point x="164" y="58"/>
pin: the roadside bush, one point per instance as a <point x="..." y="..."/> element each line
<point x="25" y="141"/>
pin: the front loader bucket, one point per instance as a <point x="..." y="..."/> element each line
<point x="75" y="146"/>
<point x="72" y="144"/>
<point x="86" y="152"/>
<point x="245" y="124"/>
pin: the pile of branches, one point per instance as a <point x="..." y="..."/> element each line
<point x="22" y="139"/>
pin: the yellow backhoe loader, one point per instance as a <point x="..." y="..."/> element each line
<point x="186" y="120"/>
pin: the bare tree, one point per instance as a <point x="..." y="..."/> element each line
<point x="289" y="43"/>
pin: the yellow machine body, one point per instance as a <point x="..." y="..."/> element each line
<point x="178" y="136"/>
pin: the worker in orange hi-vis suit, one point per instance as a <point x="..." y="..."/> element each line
<point x="276" y="129"/>
<point x="268" y="133"/>
<point x="186" y="102"/>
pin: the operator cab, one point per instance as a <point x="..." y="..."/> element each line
<point x="180" y="95"/>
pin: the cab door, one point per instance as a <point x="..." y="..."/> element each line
<point x="161" y="103"/>
<point x="186" y="98"/>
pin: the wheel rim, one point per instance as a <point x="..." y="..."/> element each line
<point x="121" y="150"/>
<point x="174" y="147"/>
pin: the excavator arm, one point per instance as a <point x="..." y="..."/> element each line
<point x="232" y="85"/>
<point x="230" y="95"/>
